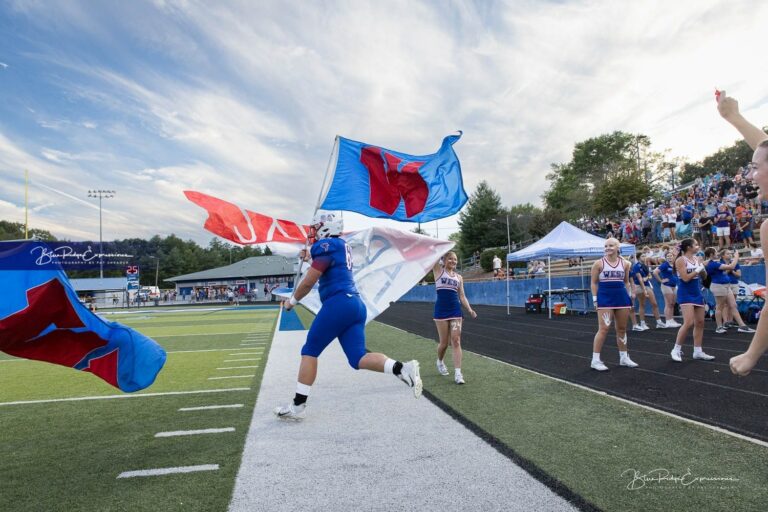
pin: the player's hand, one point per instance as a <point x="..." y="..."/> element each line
<point x="304" y="255"/>
<point x="287" y="305"/>
<point x="742" y="364"/>
<point x="472" y="313"/>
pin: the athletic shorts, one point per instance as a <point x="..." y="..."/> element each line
<point x="726" y="231"/>
<point x="341" y="316"/>
<point x="666" y="290"/>
<point x="734" y="289"/>
<point x="719" y="290"/>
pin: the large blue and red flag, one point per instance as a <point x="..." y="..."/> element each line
<point x="41" y="318"/>
<point x="379" y="182"/>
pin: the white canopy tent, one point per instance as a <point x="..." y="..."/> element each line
<point x="565" y="241"/>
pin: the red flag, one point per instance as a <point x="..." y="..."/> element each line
<point x="245" y="227"/>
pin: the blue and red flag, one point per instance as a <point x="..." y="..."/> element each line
<point x="41" y="318"/>
<point x="379" y="182"/>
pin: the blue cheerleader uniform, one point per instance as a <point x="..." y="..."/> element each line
<point x="611" y="292"/>
<point x="690" y="292"/>
<point x="447" y="305"/>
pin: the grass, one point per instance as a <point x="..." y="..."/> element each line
<point x="590" y="442"/>
<point x="67" y="455"/>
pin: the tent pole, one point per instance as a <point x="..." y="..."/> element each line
<point x="507" y="287"/>
<point x="549" y="272"/>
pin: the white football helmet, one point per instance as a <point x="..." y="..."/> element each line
<point x="325" y="225"/>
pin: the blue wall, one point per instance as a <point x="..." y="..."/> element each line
<point x="494" y="293"/>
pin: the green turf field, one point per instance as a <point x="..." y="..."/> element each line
<point x="67" y="455"/>
<point x="593" y="443"/>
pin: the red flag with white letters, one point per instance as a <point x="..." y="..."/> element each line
<point x="245" y="227"/>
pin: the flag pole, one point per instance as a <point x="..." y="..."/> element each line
<point x="332" y="159"/>
<point x="26" y="204"/>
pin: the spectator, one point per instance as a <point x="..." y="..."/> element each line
<point x="705" y="229"/>
<point x="496" y="264"/>
<point x="723" y="224"/>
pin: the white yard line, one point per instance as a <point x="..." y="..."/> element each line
<point x="168" y="471"/>
<point x="176" y="433"/>
<point x="232" y="377"/>
<point x="242" y="359"/>
<point x="237" y="367"/>
<point x="196" y="334"/>
<point x="204" y="350"/>
<point x="110" y="397"/>
<point x="247" y="353"/>
<point x="209" y="407"/>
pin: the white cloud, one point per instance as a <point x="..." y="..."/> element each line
<point x="3" y="65"/>
<point x="243" y="100"/>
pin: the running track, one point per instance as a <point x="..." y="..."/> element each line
<point x="704" y="391"/>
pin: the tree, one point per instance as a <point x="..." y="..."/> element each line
<point x="600" y="166"/>
<point x="726" y="160"/>
<point x="617" y="193"/>
<point x="15" y="231"/>
<point x="476" y="226"/>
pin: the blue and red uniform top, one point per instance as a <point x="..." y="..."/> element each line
<point x="332" y="257"/>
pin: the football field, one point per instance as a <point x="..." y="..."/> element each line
<point x="69" y="441"/>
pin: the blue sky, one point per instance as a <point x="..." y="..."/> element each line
<point x="242" y="100"/>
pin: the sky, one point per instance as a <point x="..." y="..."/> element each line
<point x="242" y="100"/>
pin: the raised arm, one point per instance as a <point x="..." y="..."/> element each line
<point x="729" y="109"/>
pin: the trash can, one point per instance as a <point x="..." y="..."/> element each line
<point x="559" y="308"/>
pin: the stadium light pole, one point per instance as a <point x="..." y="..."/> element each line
<point x="157" y="270"/>
<point x="101" y="194"/>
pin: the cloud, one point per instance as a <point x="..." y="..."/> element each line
<point x="191" y="95"/>
<point x="3" y="65"/>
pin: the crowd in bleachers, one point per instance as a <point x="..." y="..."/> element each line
<point x="719" y="209"/>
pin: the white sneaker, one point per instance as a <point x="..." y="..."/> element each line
<point x="291" y="412"/>
<point x="637" y="327"/>
<point x="746" y="328"/>
<point x="599" y="366"/>
<point x="677" y="356"/>
<point x="673" y="323"/>
<point x="441" y="368"/>
<point x="459" y="378"/>
<point x="721" y="330"/>
<point x="626" y="361"/>
<point x="644" y="325"/>
<point x="411" y="376"/>
<point x="660" y="324"/>
<point x="703" y="356"/>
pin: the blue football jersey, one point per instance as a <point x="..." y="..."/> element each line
<point x="332" y="257"/>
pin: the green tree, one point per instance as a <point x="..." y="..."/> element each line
<point x="15" y="231"/>
<point x="599" y="165"/>
<point x="477" y="225"/>
<point x="616" y="193"/>
<point x="726" y="160"/>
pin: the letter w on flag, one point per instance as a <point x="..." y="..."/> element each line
<point x="41" y="318"/>
<point x="379" y="182"/>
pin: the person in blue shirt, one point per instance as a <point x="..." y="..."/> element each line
<point x="719" y="286"/>
<point x="641" y="277"/>
<point x="341" y="316"/>
<point x="731" y="310"/>
<point x="666" y="276"/>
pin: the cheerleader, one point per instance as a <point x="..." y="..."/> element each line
<point x="690" y="271"/>
<point x="610" y="295"/>
<point x="450" y="297"/>
<point x="665" y="274"/>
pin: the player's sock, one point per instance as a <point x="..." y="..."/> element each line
<point x="302" y="393"/>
